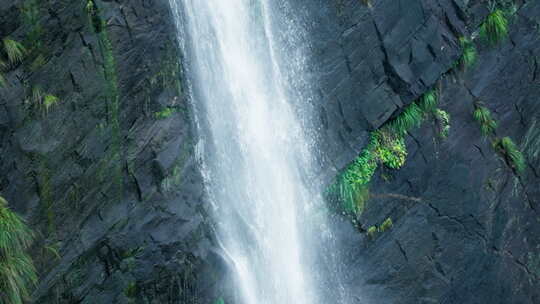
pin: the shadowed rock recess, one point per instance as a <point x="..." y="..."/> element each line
<point x="106" y="175"/>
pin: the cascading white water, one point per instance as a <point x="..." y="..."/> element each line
<point x="256" y="157"/>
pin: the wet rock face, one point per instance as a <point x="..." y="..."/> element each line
<point x="108" y="179"/>
<point x="465" y="226"/>
<point x="106" y="176"/>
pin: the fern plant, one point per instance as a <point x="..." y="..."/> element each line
<point x="15" y="51"/>
<point x="362" y="168"/>
<point x="512" y="153"/>
<point x="390" y="150"/>
<point x="17" y="272"/>
<point x="495" y="28"/>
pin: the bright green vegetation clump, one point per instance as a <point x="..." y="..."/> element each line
<point x="505" y="146"/>
<point x="363" y="167"/>
<point x="411" y="117"/>
<point x="443" y="120"/>
<point x="353" y="196"/>
<point x="387" y="147"/>
<point x="386" y="225"/>
<point x="487" y="124"/>
<point x="165" y="113"/>
<point x="512" y="153"/>
<point x="14" y="50"/>
<point x="468" y="57"/>
<point x="49" y="101"/>
<point x="495" y="28"/>
<point x="43" y="100"/>
<point x="428" y="102"/>
<point x="384" y="148"/>
<point x="17" y="273"/>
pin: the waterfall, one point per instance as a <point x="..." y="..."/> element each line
<point x="250" y="98"/>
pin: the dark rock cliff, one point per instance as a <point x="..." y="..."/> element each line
<point x="106" y="176"/>
<point x="108" y="179"/>
<point x="465" y="226"/>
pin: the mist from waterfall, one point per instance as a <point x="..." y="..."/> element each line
<point x="246" y="63"/>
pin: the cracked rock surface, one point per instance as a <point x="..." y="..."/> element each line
<point x="124" y="206"/>
<point x="466" y="228"/>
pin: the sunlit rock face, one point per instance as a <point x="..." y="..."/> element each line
<point x="465" y="228"/>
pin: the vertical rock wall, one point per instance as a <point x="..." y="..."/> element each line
<point x="108" y="179"/>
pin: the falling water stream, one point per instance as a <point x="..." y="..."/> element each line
<point x="250" y="99"/>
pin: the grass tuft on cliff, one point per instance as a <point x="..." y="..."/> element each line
<point x="386" y="147"/>
<point x="372" y="232"/>
<point x="512" y="153"/>
<point x="494" y="29"/>
<point x="487" y="124"/>
<point x="14" y="50"/>
<point x="386" y="225"/>
<point x="428" y="101"/>
<point x="49" y="100"/>
<point x="17" y="273"/>
<point x="505" y="146"/>
<point x="410" y="118"/>
<point x="352" y="193"/>
<point x="443" y="122"/>
<point x="468" y="57"/>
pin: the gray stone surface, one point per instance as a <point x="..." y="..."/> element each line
<point x="466" y="229"/>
